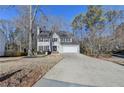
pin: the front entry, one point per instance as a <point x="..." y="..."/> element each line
<point x="54" y="48"/>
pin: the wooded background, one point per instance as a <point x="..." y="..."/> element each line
<point x="99" y="31"/>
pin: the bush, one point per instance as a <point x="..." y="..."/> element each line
<point x="14" y="53"/>
<point x="24" y="54"/>
<point x="49" y="52"/>
<point x="40" y="53"/>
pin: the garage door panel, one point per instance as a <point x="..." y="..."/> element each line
<point x="70" y="49"/>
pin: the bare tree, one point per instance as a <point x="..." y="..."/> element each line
<point x="8" y="29"/>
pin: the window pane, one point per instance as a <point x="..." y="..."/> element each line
<point x="54" y="39"/>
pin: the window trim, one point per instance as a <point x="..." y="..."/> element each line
<point x="54" y="39"/>
<point x="44" y="39"/>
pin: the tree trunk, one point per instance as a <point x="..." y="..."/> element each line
<point x="30" y="34"/>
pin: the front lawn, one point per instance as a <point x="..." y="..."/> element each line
<point x="26" y="71"/>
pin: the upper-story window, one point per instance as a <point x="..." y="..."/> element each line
<point x="44" y="39"/>
<point x="62" y="39"/>
<point x="54" y="39"/>
<point x="68" y="40"/>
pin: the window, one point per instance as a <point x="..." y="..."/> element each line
<point x="54" y="39"/>
<point x="62" y="39"/>
<point x="67" y="39"/>
<point x="46" y="48"/>
<point x="43" y="48"/>
<point x="44" y="39"/>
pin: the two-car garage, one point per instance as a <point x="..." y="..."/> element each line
<point x="70" y="49"/>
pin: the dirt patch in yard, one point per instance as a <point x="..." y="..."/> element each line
<point x="27" y="71"/>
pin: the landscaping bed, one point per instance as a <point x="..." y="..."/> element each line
<point x="26" y="71"/>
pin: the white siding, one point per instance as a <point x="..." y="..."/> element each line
<point x="60" y="48"/>
<point x="42" y="44"/>
<point x="2" y="44"/>
<point x="56" y="43"/>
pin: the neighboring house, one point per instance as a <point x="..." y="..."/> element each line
<point x="62" y="42"/>
<point x="2" y="43"/>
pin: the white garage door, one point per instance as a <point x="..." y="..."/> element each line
<point x="70" y="49"/>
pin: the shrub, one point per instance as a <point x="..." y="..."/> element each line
<point x="11" y="53"/>
<point x="40" y="53"/>
<point x="24" y="54"/>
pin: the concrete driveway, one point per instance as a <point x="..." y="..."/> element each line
<point x="79" y="70"/>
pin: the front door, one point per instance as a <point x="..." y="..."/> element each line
<point x="54" y="48"/>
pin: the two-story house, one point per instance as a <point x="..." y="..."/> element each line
<point x="2" y="43"/>
<point x="62" y="42"/>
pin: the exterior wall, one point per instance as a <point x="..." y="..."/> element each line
<point x="43" y="44"/>
<point x="56" y="43"/>
<point x="39" y="43"/>
<point x="2" y="44"/>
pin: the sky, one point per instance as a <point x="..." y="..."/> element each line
<point x="66" y="11"/>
